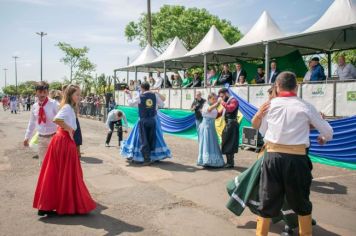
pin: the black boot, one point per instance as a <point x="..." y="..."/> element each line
<point x="229" y="161"/>
<point x="48" y="213"/>
<point x="146" y="159"/>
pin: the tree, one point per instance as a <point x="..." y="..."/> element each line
<point x="55" y="85"/>
<point x="189" y="24"/>
<point x="73" y="56"/>
<point x="9" y="90"/>
<point x="350" y="56"/>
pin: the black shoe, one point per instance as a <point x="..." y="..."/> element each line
<point x="228" y="166"/>
<point x="287" y="231"/>
<point x="48" y="213"/>
<point x="107" y="145"/>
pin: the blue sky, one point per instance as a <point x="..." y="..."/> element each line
<point x="99" y="24"/>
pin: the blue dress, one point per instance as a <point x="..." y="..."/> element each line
<point x="209" y="149"/>
<point x="131" y="147"/>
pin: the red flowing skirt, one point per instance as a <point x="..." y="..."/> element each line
<point x="60" y="185"/>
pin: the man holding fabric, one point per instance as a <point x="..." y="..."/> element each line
<point x="41" y="119"/>
<point x="286" y="172"/>
<point x="230" y="134"/>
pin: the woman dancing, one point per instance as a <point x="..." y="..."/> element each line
<point x="209" y="149"/>
<point x="60" y="187"/>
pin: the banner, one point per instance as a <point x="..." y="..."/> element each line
<point x="165" y="93"/>
<point x="187" y="98"/>
<point x="175" y="98"/>
<point x="242" y="91"/>
<point x="321" y="96"/>
<point x="120" y="97"/>
<point x="345" y="99"/>
<point x="259" y="94"/>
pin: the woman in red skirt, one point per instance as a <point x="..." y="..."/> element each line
<point x="60" y="187"/>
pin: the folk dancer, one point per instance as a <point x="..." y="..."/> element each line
<point x="41" y="120"/>
<point x="230" y="134"/>
<point x="286" y="170"/>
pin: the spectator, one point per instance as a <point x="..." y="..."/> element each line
<point x="151" y="81"/>
<point x="132" y="85"/>
<point x="308" y="74"/>
<point x="158" y="82"/>
<point x="240" y="72"/>
<point x="186" y="80"/>
<point x="144" y="78"/>
<point x="260" y="77"/>
<point x="176" y="81"/>
<point x="317" y="73"/>
<point x="112" y="104"/>
<point x="226" y="76"/>
<point x="345" y="71"/>
<point x="213" y="77"/>
<point x="28" y="103"/>
<point x="197" y="105"/>
<point x="196" y="81"/>
<point x="242" y="81"/>
<point x="274" y="72"/>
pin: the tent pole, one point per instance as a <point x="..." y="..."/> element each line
<point x="164" y="74"/>
<point x="135" y="75"/>
<point x="329" y="65"/>
<point x="128" y="73"/>
<point x="266" y="63"/>
<point x="205" y="71"/>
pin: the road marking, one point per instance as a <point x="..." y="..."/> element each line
<point x="333" y="176"/>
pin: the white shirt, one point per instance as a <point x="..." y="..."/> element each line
<point x="288" y="122"/>
<point x="112" y="117"/>
<point x="133" y="102"/>
<point x="307" y="76"/>
<point x="206" y="113"/>
<point x="51" y="109"/>
<point x="346" y="72"/>
<point x="158" y="83"/>
<point x="67" y="114"/>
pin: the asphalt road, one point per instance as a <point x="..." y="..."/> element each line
<point x="174" y="197"/>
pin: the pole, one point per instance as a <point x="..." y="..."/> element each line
<point x="164" y="74"/>
<point x="266" y="63"/>
<point x="5" y="77"/>
<point x="149" y="23"/>
<point x="135" y="75"/>
<point x="16" y="57"/>
<point x="329" y="65"/>
<point x="41" y="34"/>
<point x="205" y="71"/>
<point x="128" y="73"/>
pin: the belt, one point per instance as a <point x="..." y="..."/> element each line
<point x="46" y="135"/>
<point x="289" y="149"/>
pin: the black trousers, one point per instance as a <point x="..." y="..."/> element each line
<point x="147" y="128"/>
<point x="119" y="131"/>
<point x="285" y="176"/>
<point x="28" y="107"/>
<point x="230" y="138"/>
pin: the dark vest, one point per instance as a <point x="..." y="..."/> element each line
<point x="231" y="115"/>
<point x="147" y="105"/>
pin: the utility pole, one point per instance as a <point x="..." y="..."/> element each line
<point x="5" y="76"/>
<point x="149" y="23"/>
<point x="41" y="34"/>
<point x="15" y="57"/>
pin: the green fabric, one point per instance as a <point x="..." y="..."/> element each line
<point x="214" y="78"/>
<point x="186" y="81"/>
<point x="325" y="161"/>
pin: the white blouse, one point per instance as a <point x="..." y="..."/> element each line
<point x="67" y="114"/>
<point x="206" y="113"/>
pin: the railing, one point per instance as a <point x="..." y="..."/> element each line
<point x="333" y="98"/>
<point x="92" y="110"/>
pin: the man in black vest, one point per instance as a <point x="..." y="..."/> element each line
<point x="147" y="103"/>
<point x="230" y="134"/>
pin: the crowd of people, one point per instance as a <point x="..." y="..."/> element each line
<point x="17" y="103"/>
<point x="315" y="73"/>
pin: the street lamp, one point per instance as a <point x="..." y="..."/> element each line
<point x="41" y="34"/>
<point x="15" y="57"/>
<point x="5" y="76"/>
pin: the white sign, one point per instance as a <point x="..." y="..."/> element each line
<point x="187" y="98"/>
<point x="120" y="98"/>
<point x="204" y="92"/>
<point x="175" y="96"/>
<point x="165" y="93"/>
<point x="241" y="91"/>
<point x="259" y="94"/>
<point x="320" y="95"/>
<point x="346" y="99"/>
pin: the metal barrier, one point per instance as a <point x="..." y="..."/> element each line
<point x="92" y="110"/>
<point x="334" y="98"/>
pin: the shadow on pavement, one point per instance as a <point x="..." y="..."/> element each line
<point x="173" y="166"/>
<point x="95" y="220"/>
<point x="278" y="228"/>
<point x="328" y="187"/>
<point x="91" y="160"/>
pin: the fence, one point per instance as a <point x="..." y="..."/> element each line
<point x="92" y="110"/>
<point x="333" y="98"/>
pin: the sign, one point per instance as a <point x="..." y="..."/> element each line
<point x="259" y="94"/>
<point x="187" y="98"/>
<point x="175" y="96"/>
<point x="351" y="96"/>
<point x="318" y="91"/>
<point x="321" y="96"/>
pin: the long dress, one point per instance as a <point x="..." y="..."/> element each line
<point x="209" y="149"/>
<point x="131" y="147"/>
<point x="60" y="185"/>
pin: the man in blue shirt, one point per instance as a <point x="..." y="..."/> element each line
<point x="317" y="72"/>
